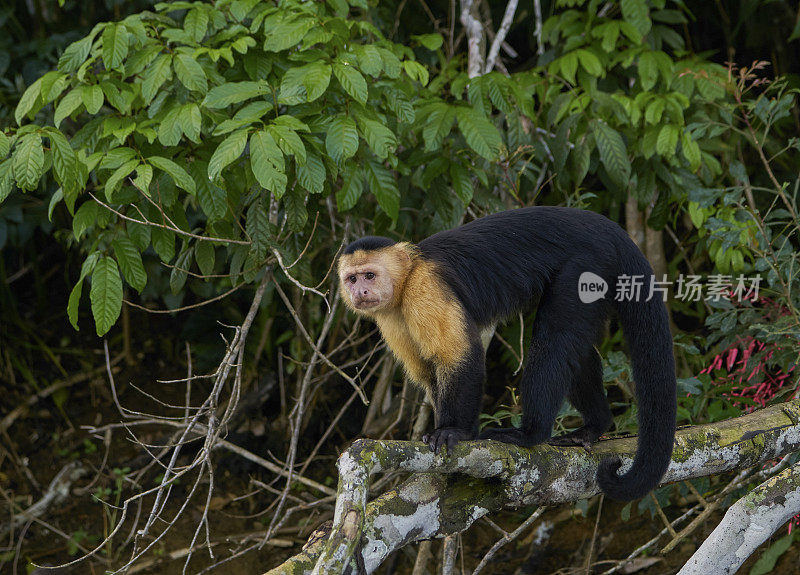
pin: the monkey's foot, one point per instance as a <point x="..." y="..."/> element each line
<point x="509" y="435"/>
<point x="448" y="436"/>
<point x="581" y="437"/>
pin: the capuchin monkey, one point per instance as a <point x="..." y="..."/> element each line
<point x="432" y="301"/>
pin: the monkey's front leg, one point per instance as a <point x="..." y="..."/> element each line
<point x="456" y="396"/>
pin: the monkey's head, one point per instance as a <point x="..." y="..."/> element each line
<point x="372" y="271"/>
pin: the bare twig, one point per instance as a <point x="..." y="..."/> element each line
<point x="508" y="538"/>
<point x="474" y="31"/>
<point x="537" y="29"/>
<point x="176" y="230"/>
<point x="502" y="32"/>
<point x="310" y="341"/>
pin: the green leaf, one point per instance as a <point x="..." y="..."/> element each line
<point x="92" y="97"/>
<point x="369" y="60"/>
<point x="288" y="33"/>
<point x="590" y="62"/>
<point x="654" y="111"/>
<point x="430" y="41"/>
<point x="180" y="176"/>
<point x="462" y="183"/>
<point x="53" y="83"/>
<point x="57" y="197"/>
<point x="171" y="128"/>
<point x="292" y="123"/>
<point x="227" y="152"/>
<point x="154" y="76"/>
<point x="569" y="66"/>
<point x="315" y="77"/>
<point x="190" y="73"/>
<point x="164" y="243"/>
<point x="204" y="254"/>
<point x="351" y="80"/>
<point x="296" y="212"/>
<point x="30" y="101"/>
<point x="65" y="161"/>
<point x="383" y="186"/>
<point x="105" y="294"/>
<point x="612" y="150"/>
<point x="648" y="70"/>
<point x="177" y="277"/>
<point x="144" y="176"/>
<point x="311" y="175"/>
<point x="113" y="182"/>
<point x="130" y="262"/>
<point x="636" y="13"/>
<point x="481" y="135"/>
<point x="84" y="218"/>
<point x="190" y="121"/>
<point x="416" y="71"/>
<point x="212" y="200"/>
<point x="267" y="164"/>
<point x="115" y="45"/>
<point x="28" y="161"/>
<point x="691" y="151"/>
<point x="610" y="34"/>
<point x="233" y="92"/>
<point x="257" y="227"/>
<point x="391" y="63"/>
<point x="73" y="302"/>
<point x="649" y="140"/>
<point x="352" y="187"/>
<point x="438" y="125"/>
<point x="795" y="32"/>
<point x="139" y="234"/>
<point x="288" y="141"/>
<point x="196" y="23"/>
<point x="292" y="90"/>
<point x="68" y="105"/>
<point x="6" y="179"/>
<point x="75" y="55"/>
<point x="766" y="563"/>
<point x="5" y="145"/>
<point x="380" y="139"/>
<point x="75" y="295"/>
<point x="667" y="140"/>
<point x="342" y="138"/>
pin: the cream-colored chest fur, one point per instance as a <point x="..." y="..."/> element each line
<point x="427" y="330"/>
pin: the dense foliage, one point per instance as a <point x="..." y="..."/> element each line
<point x="186" y="150"/>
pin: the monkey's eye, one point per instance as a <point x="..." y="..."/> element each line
<point x="369" y="276"/>
<point x="352" y="279"/>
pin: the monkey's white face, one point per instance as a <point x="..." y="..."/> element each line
<point x="369" y="288"/>
<point x="368" y="278"/>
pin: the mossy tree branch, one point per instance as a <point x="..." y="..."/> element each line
<point x="479" y="477"/>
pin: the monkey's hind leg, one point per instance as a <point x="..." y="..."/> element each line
<point x="564" y="333"/>
<point x="586" y="395"/>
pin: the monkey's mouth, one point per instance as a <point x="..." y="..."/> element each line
<point x="366" y="303"/>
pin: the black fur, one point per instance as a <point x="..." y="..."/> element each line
<point x="368" y="243"/>
<point x="512" y="261"/>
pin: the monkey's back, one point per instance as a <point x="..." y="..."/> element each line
<point x="502" y="263"/>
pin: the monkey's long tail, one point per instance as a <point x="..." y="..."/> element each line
<point x="646" y="329"/>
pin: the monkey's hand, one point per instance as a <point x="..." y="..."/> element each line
<point x="448" y="436"/>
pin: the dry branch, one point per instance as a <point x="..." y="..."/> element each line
<point x="493" y="476"/>
<point x="747" y="524"/>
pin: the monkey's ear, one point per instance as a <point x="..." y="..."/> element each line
<point x="406" y="249"/>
